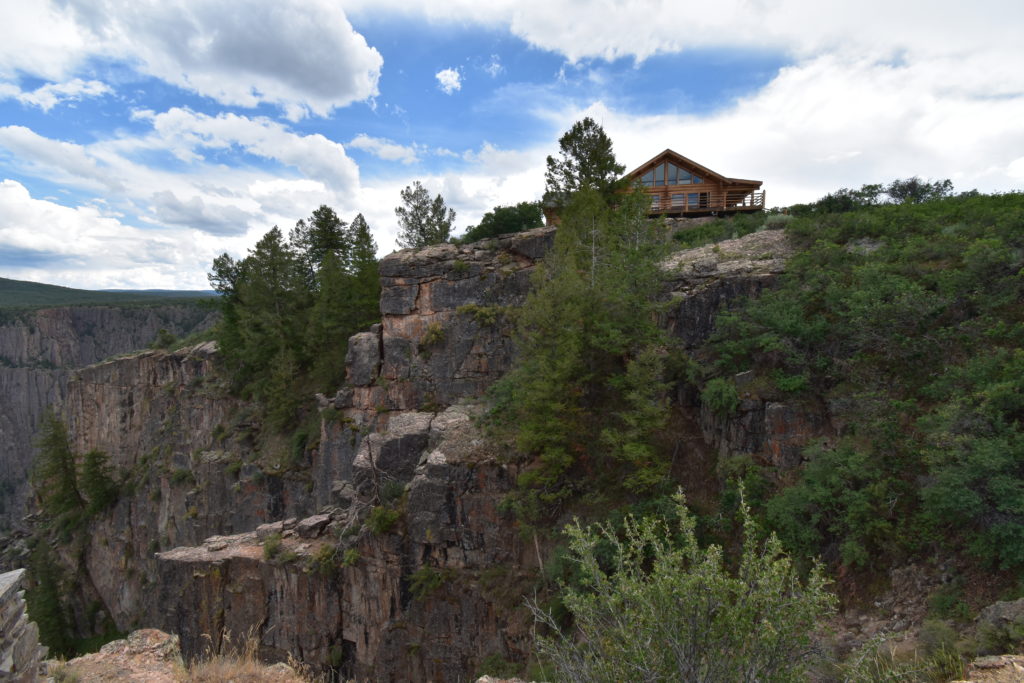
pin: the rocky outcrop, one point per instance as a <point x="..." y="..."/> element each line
<point x="20" y="652"/>
<point x="386" y="556"/>
<point x="152" y="656"/>
<point x="181" y="445"/>
<point x="38" y="351"/>
<point x="386" y="604"/>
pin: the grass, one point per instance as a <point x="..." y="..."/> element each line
<point x="241" y="665"/>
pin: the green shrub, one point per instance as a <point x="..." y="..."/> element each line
<point x="182" y="475"/>
<point x="324" y="561"/>
<point x="660" y="611"/>
<point x="350" y="557"/>
<point x="381" y="519"/>
<point x="271" y="546"/>
<point x="720" y="396"/>
<point x="483" y="315"/>
<point x="391" y="492"/>
<point x="434" y="335"/>
<point x="425" y="581"/>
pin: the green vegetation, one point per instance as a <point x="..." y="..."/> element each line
<point x="586" y="396"/>
<point x="272" y="546"/>
<point x="70" y="492"/>
<point x="289" y="308"/>
<point x="15" y="294"/>
<point x="585" y="161"/>
<point x="382" y="519"/>
<point x="905" y="318"/>
<point x="425" y="580"/>
<point x="650" y="604"/>
<point x="423" y="221"/>
<point x="502" y="220"/>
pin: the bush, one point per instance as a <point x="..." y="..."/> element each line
<point x="271" y="546"/>
<point x="658" y="611"/>
<point x="425" y="581"/>
<point x="382" y="519"/>
<point x="721" y="396"/>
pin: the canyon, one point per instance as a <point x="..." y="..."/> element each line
<point x="379" y="549"/>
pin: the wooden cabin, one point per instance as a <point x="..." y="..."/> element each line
<point x="678" y="186"/>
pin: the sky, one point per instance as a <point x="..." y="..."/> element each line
<point x="139" y="139"/>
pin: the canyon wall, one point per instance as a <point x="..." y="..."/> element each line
<point x="38" y="351"/>
<point x="384" y="553"/>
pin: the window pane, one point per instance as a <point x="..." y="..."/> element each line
<point x="684" y="178"/>
<point x="647" y="178"/>
<point x="696" y="179"/>
<point x="692" y="199"/>
<point x="677" y="200"/>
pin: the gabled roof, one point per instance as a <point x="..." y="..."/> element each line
<point x="669" y="155"/>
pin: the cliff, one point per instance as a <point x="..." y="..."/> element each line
<point x="38" y="351"/>
<point x="386" y="555"/>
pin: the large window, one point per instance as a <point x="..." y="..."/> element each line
<point x="668" y="174"/>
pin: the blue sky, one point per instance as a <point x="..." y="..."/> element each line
<point x="141" y="138"/>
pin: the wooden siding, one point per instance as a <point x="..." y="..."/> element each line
<point x="714" y="193"/>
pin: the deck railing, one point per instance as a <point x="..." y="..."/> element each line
<point x="704" y="202"/>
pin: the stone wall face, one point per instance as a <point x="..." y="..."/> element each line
<point x="20" y="652"/>
<point x="431" y="594"/>
<point x="38" y="352"/>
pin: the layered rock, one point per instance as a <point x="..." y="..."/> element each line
<point x="39" y="349"/>
<point x="410" y="571"/>
<point x="180" y="442"/>
<point x="20" y="652"/>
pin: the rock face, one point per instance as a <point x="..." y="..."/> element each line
<point x="161" y="417"/>
<point x="386" y="557"/>
<point x="20" y="652"/>
<point x="38" y="351"/>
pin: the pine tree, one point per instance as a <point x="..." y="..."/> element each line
<point x="586" y="391"/>
<point x="365" y="292"/>
<point x="97" y="482"/>
<point x="323" y="233"/>
<point x="55" y="479"/>
<point x="586" y="160"/>
<point x="423" y="221"/>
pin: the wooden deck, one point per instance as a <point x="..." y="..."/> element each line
<point x="674" y="202"/>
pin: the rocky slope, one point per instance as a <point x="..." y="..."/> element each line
<point x="385" y="556"/>
<point x="38" y="351"/>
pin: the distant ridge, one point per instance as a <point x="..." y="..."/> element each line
<point x="24" y="294"/>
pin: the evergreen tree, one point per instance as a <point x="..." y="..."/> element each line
<point x="586" y="391"/>
<point x="289" y="308"/>
<point x="585" y="160"/>
<point x="365" y="290"/>
<point x="44" y="600"/>
<point x="55" y="479"/>
<point x="323" y="233"/>
<point x="97" y="482"/>
<point x="423" y="221"/>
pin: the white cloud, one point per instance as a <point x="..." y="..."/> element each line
<point x="46" y="97"/>
<point x="383" y="148"/>
<point x="314" y="155"/>
<point x="205" y="196"/>
<point x="829" y="122"/>
<point x="57" y="160"/>
<point x="449" y="80"/>
<point x="81" y="247"/>
<point x="642" y="28"/>
<point x="302" y="55"/>
<point x="494" y="67"/>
